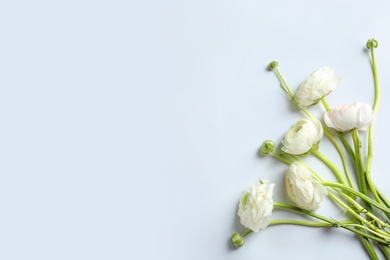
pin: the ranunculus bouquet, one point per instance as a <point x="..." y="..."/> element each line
<point x="365" y="207"/>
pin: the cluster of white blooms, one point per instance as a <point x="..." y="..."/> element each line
<point x="366" y="208"/>
<point x="304" y="190"/>
<point x="342" y="118"/>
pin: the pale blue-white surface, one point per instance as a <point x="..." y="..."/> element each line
<point x="130" y="129"/>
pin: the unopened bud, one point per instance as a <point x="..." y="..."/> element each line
<point x="273" y="65"/>
<point x="237" y="240"/>
<point x="372" y="44"/>
<point x="267" y="147"/>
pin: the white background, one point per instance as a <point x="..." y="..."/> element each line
<point x="130" y="129"/>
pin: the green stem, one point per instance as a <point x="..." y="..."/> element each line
<point x="288" y="91"/>
<point x="378" y="232"/>
<point x="359" y="194"/>
<point x="342" y="156"/>
<point x="370" y="249"/>
<point x="331" y="221"/>
<point x="295" y="222"/>
<point x="367" y="229"/>
<point x="338" y="147"/>
<point x="371" y="130"/>
<point x="331" y="166"/>
<point x="372" y="186"/>
<point x="376" y="81"/>
<point x="383" y="198"/>
<point x="281" y="205"/>
<point x="347" y="146"/>
<point x="246" y="233"/>
<point x="357" y="216"/>
<point x="281" y="158"/>
<point x="341" y="135"/>
<point x="385" y="250"/>
<point x="359" y="162"/>
<point x="299" y="223"/>
<point x="325" y="103"/>
<point x="286" y="88"/>
<point x="360" y="209"/>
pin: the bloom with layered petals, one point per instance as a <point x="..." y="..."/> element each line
<point x="318" y="85"/>
<point x="351" y="116"/>
<point x="303" y="137"/>
<point x="256" y="205"/>
<point x="305" y="191"/>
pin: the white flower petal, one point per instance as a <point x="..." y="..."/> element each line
<point x="256" y="205"/>
<point x="350" y="116"/>
<point x="318" y="85"/>
<point x="302" y="136"/>
<point x="302" y="188"/>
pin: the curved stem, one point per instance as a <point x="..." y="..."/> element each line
<point x="357" y="216"/>
<point x="359" y="194"/>
<point x="341" y="135"/>
<point x="338" y="147"/>
<point x="286" y="88"/>
<point x="281" y="158"/>
<point x="371" y="130"/>
<point x="329" y="223"/>
<point x="383" y="198"/>
<point x="360" y="209"/>
<point x="366" y="228"/>
<point x="376" y="81"/>
<point x="372" y="186"/>
<point x="347" y="146"/>
<point x="288" y="91"/>
<point x="342" y="156"/>
<point x="300" y="223"/>
<point x="325" y="219"/>
<point x="331" y="166"/>
<point x="281" y="205"/>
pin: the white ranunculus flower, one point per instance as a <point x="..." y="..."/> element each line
<point x="256" y="205"/>
<point x="305" y="191"/>
<point x="303" y="137"/>
<point x="351" y="116"/>
<point x="318" y="85"/>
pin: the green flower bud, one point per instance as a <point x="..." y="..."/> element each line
<point x="237" y="240"/>
<point x="273" y="65"/>
<point x="267" y="147"/>
<point x="372" y="44"/>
